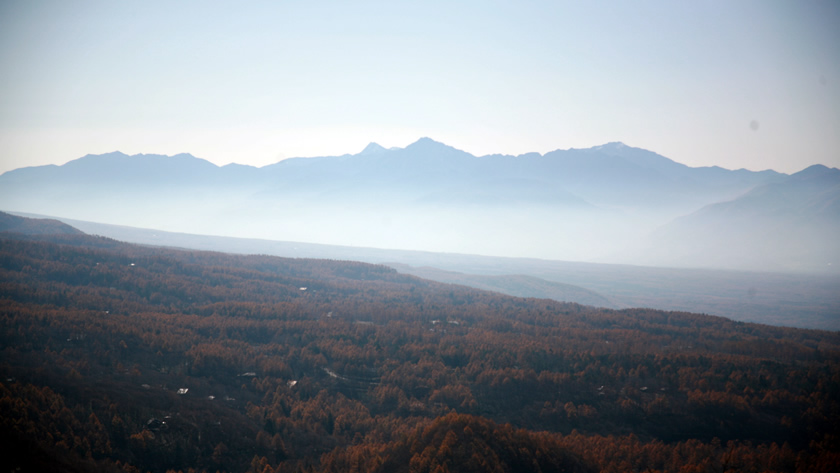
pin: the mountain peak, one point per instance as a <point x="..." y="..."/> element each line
<point x="373" y="148"/>
<point x="112" y="154"/>
<point x="428" y="145"/>
<point x="185" y="155"/>
<point x="817" y="171"/>
<point x="611" y="146"/>
<point x="813" y="170"/>
<point x="425" y="142"/>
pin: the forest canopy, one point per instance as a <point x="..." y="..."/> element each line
<point x="118" y="357"/>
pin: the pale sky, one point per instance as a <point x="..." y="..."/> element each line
<point x="745" y="83"/>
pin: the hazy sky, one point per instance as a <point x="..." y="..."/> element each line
<point x="752" y="84"/>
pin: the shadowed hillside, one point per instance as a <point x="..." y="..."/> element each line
<point x="32" y="226"/>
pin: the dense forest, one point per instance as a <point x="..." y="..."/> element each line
<point x="116" y="357"/>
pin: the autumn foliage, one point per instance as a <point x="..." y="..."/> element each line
<point x="116" y="357"/>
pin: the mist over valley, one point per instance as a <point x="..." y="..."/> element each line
<point x="611" y="204"/>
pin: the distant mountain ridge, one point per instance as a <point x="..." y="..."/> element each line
<point x="576" y="204"/>
<point x="425" y="164"/>
<point x="797" y="220"/>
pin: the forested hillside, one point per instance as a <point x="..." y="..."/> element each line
<point x="788" y="299"/>
<point x="118" y="357"/>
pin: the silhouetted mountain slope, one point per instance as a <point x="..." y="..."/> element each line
<point x="618" y="175"/>
<point x="793" y="224"/>
<point x="34" y="226"/>
<point x="118" y="169"/>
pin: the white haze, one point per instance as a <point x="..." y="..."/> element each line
<point x="611" y="203"/>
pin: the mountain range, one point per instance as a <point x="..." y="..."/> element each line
<point x="794" y="223"/>
<point x="610" y="203"/>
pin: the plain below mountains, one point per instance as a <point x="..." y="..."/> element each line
<point x="610" y="203"/>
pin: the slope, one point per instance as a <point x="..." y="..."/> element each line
<point x="791" y="225"/>
<point x="513" y="285"/>
<point x="33" y="226"/>
<point x="788" y="299"/>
